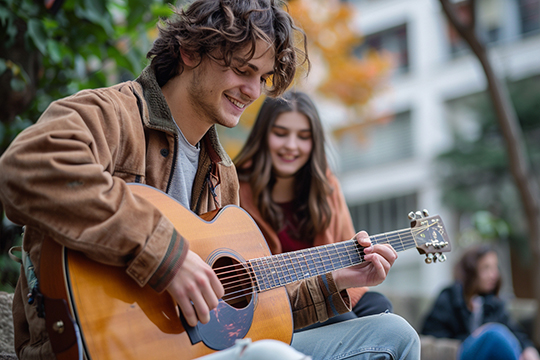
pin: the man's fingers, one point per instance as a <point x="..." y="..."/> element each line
<point x="363" y="238"/>
<point x="212" y="292"/>
<point x="217" y="287"/>
<point x="188" y="311"/>
<point x="201" y="307"/>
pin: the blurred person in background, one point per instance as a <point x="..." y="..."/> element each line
<point x="471" y="310"/>
<point x="289" y="190"/>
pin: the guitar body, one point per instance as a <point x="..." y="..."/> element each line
<point x="120" y="320"/>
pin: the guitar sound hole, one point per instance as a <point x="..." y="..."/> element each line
<point x="235" y="280"/>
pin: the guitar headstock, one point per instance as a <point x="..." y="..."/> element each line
<point x="430" y="236"/>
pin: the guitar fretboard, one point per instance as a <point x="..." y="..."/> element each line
<point x="282" y="269"/>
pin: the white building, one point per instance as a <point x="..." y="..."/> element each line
<point x="393" y="172"/>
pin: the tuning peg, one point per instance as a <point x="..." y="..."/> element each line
<point x="419" y="214"/>
<point x="425" y="213"/>
<point x="428" y="259"/>
<point x="441" y="257"/>
<point x="412" y="215"/>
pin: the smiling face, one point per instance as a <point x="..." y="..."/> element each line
<point x="207" y="92"/>
<point x="488" y="272"/>
<point x="219" y="94"/>
<point x="290" y="143"/>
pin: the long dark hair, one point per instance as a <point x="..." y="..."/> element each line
<point x="254" y="165"/>
<point x="220" y="29"/>
<point x="466" y="270"/>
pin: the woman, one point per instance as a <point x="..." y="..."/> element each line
<point x="471" y="311"/>
<point x="288" y="189"/>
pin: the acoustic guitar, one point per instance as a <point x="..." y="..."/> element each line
<point x="117" y="319"/>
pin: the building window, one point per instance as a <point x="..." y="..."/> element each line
<point x="393" y="41"/>
<point x="376" y="144"/>
<point x="384" y="215"/>
<point x="490" y="16"/>
<point x="529" y="13"/>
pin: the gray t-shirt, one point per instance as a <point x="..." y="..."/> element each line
<point x="185" y="169"/>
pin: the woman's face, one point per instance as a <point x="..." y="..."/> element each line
<point x="488" y="272"/>
<point x="290" y="142"/>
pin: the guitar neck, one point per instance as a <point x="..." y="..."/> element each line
<point x="278" y="270"/>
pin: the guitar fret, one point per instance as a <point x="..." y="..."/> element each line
<point x="301" y="265"/>
<point x="260" y="275"/>
<point x="347" y="251"/>
<point x="328" y="266"/>
<point x="280" y="270"/>
<point x="274" y="272"/>
<point x="358" y="253"/>
<point x="252" y="265"/>
<point x="307" y="270"/>
<point x="337" y="256"/>
<point x="287" y="260"/>
<point x="401" y="241"/>
<point x="343" y="255"/>
<point x="311" y="263"/>
<point x="292" y="267"/>
<point x="269" y="273"/>
<point x="333" y="255"/>
<point x="319" y="265"/>
<point x="378" y="239"/>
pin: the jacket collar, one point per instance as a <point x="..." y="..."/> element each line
<point x="157" y="115"/>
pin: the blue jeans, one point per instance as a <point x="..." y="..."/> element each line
<point x="382" y="336"/>
<point x="490" y="341"/>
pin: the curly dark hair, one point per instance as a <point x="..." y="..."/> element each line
<point x="220" y="29"/>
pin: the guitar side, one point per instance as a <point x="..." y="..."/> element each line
<point x="120" y="320"/>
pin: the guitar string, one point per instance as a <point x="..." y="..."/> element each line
<point x="341" y="251"/>
<point x="284" y="271"/>
<point x="301" y="254"/>
<point x="247" y="289"/>
<point x="376" y="239"/>
<point x="376" y="242"/>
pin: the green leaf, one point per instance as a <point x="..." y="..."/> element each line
<point x="95" y="12"/>
<point x="50" y="24"/>
<point x="17" y="84"/>
<point x="161" y="10"/>
<point x="3" y="66"/>
<point x="54" y="51"/>
<point x="118" y="57"/>
<point x="5" y="14"/>
<point x="2" y="136"/>
<point x="37" y="34"/>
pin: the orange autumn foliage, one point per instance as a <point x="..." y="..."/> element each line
<point x="328" y="25"/>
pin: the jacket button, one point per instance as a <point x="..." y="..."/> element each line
<point x="164" y="152"/>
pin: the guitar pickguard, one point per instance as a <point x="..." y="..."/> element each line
<point x="226" y="325"/>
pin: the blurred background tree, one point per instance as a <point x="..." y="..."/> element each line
<point x="519" y="162"/>
<point x="476" y="177"/>
<point x="51" y="49"/>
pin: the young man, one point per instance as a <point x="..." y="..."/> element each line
<point x="66" y="176"/>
